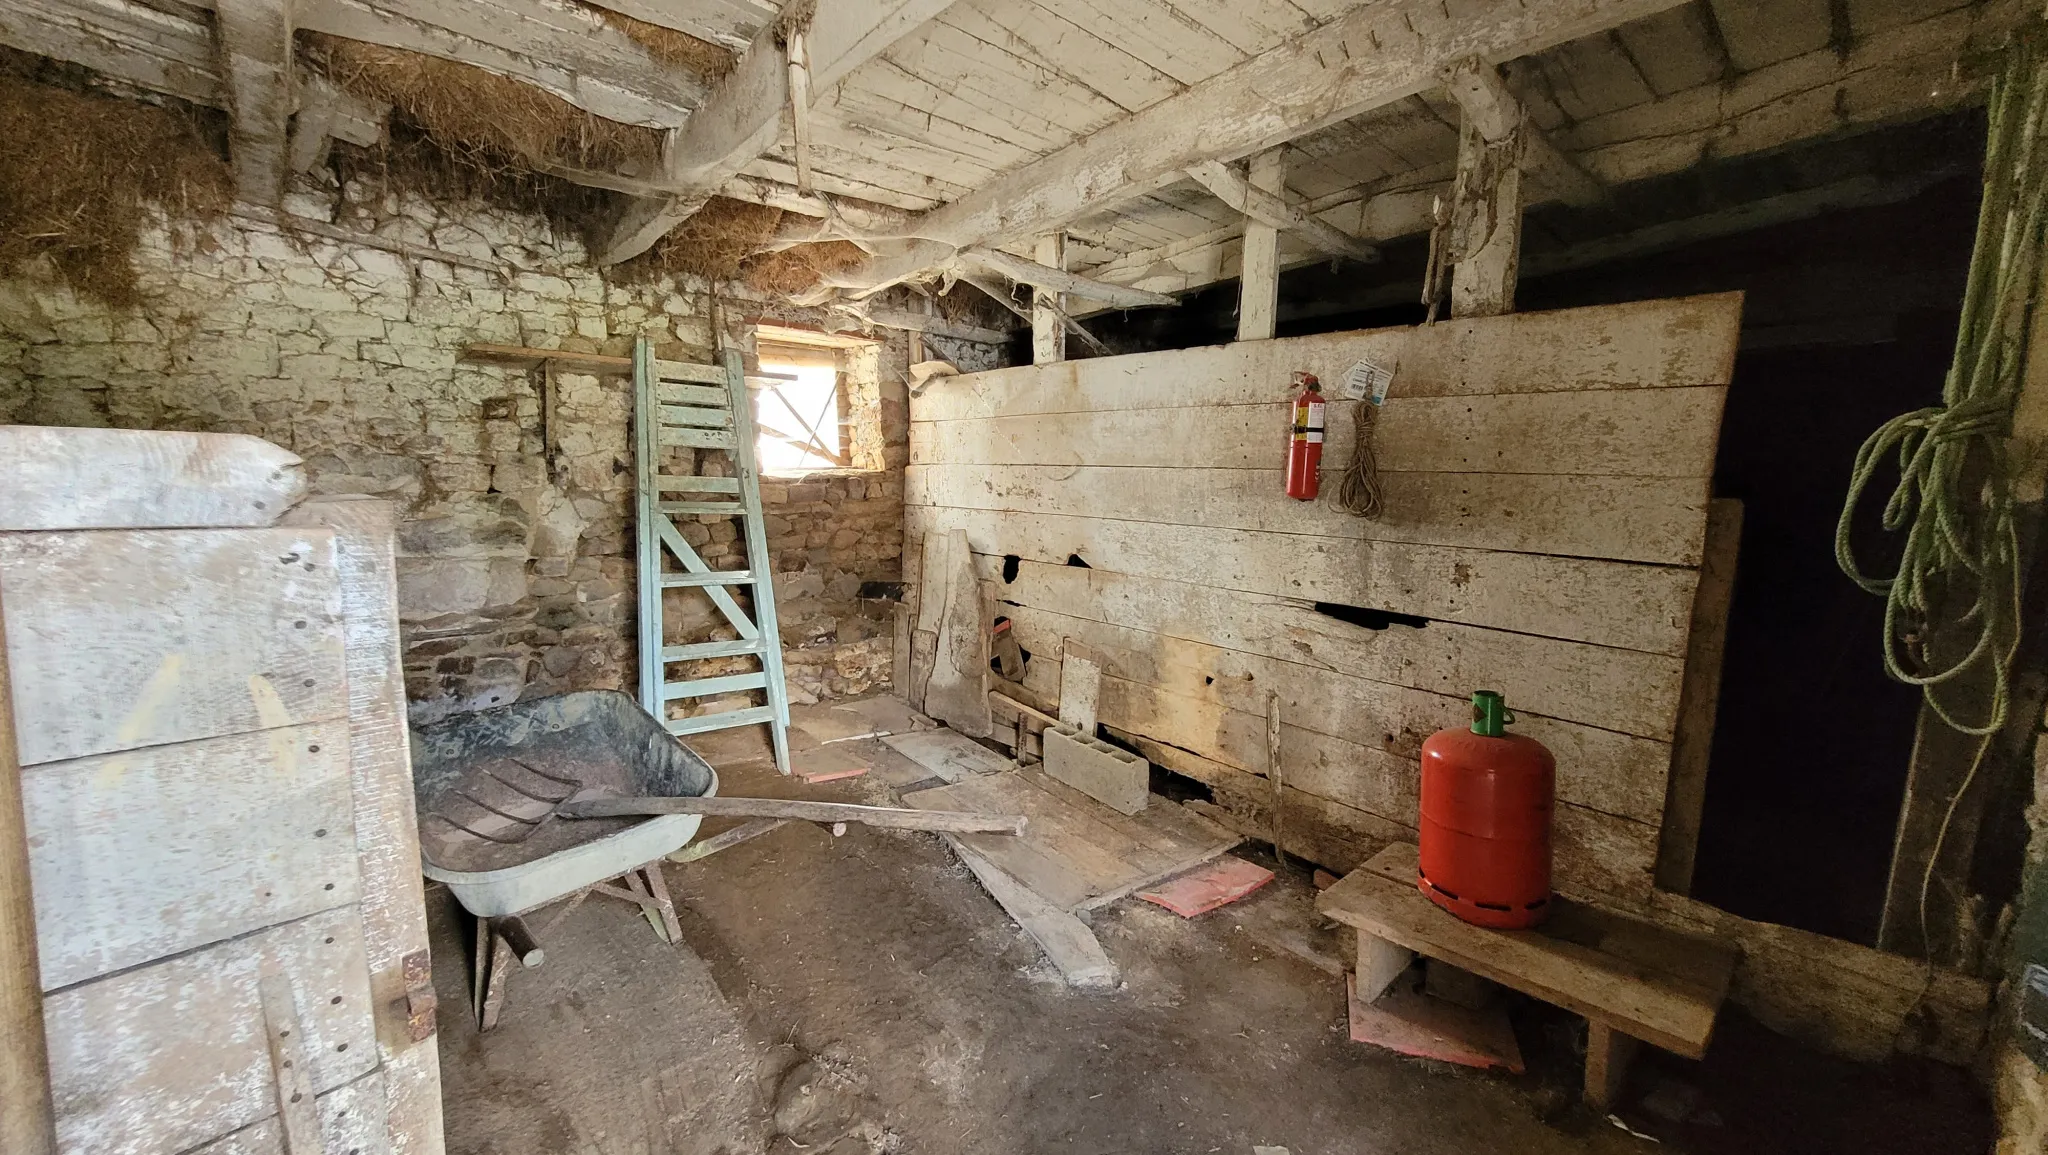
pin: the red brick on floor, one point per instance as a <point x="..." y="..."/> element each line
<point x="1219" y="883"/>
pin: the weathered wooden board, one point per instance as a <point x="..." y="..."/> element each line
<point x="1607" y="603"/>
<point x="167" y="1056"/>
<point x="123" y="639"/>
<point x="1196" y="690"/>
<point x="1624" y="433"/>
<point x="1647" y="519"/>
<point x="142" y="479"/>
<point x="954" y="690"/>
<point x="1075" y="852"/>
<point x="351" y="1123"/>
<point x="141" y="854"/>
<point x="387" y="830"/>
<point x="1686" y="341"/>
<point x="1699" y="703"/>
<point x="948" y="755"/>
<point x="1622" y="690"/>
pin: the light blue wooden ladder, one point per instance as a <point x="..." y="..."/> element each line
<point x="703" y="407"/>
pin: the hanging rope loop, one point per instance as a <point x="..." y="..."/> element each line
<point x="1953" y="605"/>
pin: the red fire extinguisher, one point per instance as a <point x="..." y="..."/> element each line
<point x="1305" y="439"/>
<point x="1486" y="802"/>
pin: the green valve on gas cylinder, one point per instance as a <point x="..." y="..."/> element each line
<point x="1490" y="713"/>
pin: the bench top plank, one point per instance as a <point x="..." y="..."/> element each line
<point x="1650" y="982"/>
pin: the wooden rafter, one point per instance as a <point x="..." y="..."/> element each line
<point x="1377" y="54"/>
<point x="744" y="116"/>
<point x="1276" y="211"/>
<point x="255" y="38"/>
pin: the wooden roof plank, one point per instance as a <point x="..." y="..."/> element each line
<point x="1058" y="45"/>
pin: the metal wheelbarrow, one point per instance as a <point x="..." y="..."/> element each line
<point x="556" y="797"/>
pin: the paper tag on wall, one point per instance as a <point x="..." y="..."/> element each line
<point x="1367" y="381"/>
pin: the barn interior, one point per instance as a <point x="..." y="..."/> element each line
<point x="884" y="576"/>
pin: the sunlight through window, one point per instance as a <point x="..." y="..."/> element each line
<point x="799" y="420"/>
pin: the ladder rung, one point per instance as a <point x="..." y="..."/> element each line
<point x="717" y="577"/>
<point x="703" y="722"/>
<point x="737" y="648"/>
<point x="686" y="371"/>
<point x="697" y="438"/>
<point x="728" y="508"/>
<point x="694" y="415"/>
<point x="700" y="484"/>
<point x="706" y="687"/>
<point x="669" y="393"/>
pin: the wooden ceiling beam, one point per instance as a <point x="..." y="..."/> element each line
<point x="744" y="116"/>
<point x="1489" y="107"/>
<point x="256" y="62"/>
<point x="1274" y="209"/>
<point x="1379" y="53"/>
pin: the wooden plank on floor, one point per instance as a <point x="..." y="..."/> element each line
<point x="1075" y="851"/>
<point x="947" y="755"/>
<point x="1066" y="940"/>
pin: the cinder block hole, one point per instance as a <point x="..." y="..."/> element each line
<point x="1371" y="619"/>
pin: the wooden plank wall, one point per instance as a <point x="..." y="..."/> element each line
<point x="1547" y="481"/>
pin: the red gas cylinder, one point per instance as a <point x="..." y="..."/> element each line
<point x="1486" y="801"/>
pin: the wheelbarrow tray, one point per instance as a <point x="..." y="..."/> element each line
<point x="486" y="784"/>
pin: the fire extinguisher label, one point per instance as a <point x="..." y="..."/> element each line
<point x="1315" y="419"/>
<point x="1315" y="437"/>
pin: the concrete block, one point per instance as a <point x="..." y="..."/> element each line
<point x="1114" y="777"/>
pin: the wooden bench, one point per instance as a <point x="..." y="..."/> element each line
<point x="1631" y="980"/>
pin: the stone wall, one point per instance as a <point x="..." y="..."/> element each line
<point x="516" y="571"/>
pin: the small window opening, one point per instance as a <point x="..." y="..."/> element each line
<point x="800" y="412"/>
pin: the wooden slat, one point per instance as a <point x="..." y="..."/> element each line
<point x="1047" y="41"/>
<point x="147" y="853"/>
<point x="677" y="371"/>
<point x="699" y="484"/>
<point x="182" y="635"/>
<point x="1639" y="433"/>
<point x="143" y="479"/>
<point x="699" y="650"/>
<point x="1675" y="343"/>
<point x="351" y="1120"/>
<point x="1623" y="518"/>
<point x="719" y="721"/>
<point x="131" y="1073"/>
<point x="393" y="906"/>
<point x="1620" y="690"/>
<point x="702" y="418"/>
<point x="1648" y="982"/>
<point x="717" y="577"/>
<point x="1606" y="603"/>
<point x="706" y="687"/>
<point x="671" y="393"/>
<point x="696" y="438"/>
<point x="713" y="508"/>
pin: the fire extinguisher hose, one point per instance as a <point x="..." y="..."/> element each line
<point x="1358" y="491"/>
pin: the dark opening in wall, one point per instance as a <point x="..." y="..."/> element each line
<point x="1371" y="619"/>
<point x="1010" y="563"/>
<point x="1074" y="559"/>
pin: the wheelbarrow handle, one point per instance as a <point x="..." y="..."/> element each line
<point x="594" y="805"/>
<point x="519" y="937"/>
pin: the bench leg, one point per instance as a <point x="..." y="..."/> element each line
<point x="1379" y="964"/>
<point x="1608" y="1052"/>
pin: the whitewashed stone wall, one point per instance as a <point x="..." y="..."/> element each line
<point x="516" y="575"/>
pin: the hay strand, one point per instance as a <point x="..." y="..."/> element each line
<point x="81" y="176"/>
<point x="707" y="60"/>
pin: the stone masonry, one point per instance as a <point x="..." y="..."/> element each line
<point x="516" y="574"/>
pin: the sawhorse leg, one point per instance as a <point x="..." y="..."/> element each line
<point x="1608" y="1052"/>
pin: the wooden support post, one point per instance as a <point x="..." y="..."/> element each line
<point x="1258" y="302"/>
<point x="256" y="63"/>
<point x="1379" y="963"/>
<point x="1486" y="224"/>
<point x="28" y="1121"/>
<point x="1608" y="1052"/>
<point x="1699" y="697"/>
<point x="1048" y="326"/>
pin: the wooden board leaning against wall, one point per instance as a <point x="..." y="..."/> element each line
<point x="1547" y="478"/>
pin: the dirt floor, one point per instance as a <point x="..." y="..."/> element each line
<point x="863" y="994"/>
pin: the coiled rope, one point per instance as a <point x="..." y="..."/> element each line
<point x="1358" y="488"/>
<point x="1959" y="574"/>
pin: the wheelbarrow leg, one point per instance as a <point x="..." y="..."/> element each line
<point x="495" y="959"/>
<point x="659" y="886"/>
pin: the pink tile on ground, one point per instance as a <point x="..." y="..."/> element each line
<point x="1200" y="891"/>
<point x="816" y="776"/>
<point x="1409" y="1022"/>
